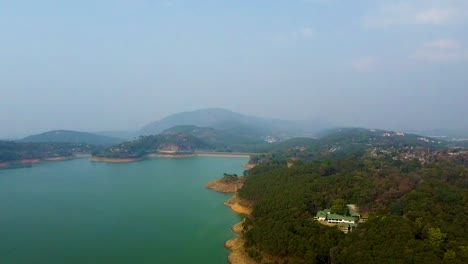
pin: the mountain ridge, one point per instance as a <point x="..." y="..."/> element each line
<point x="223" y="119"/>
<point x="70" y="136"/>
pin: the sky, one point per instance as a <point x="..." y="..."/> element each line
<point x="120" y="64"/>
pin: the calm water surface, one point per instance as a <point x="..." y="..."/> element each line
<point x="154" y="211"/>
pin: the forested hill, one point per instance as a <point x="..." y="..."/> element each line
<point x="144" y="145"/>
<point x="11" y="151"/>
<point x="67" y="136"/>
<point x="417" y="213"/>
<point x="333" y="144"/>
<point x="361" y="142"/>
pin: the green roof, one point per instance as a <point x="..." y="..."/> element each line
<point x="321" y="214"/>
<point x="337" y="216"/>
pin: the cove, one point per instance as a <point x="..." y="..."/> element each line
<point x="153" y="211"/>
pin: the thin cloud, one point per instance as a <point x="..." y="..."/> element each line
<point x="416" y="12"/>
<point x="443" y="43"/>
<point x="364" y="64"/>
<point x="441" y="50"/>
<point x="305" y="32"/>
<point x="435" y="16"/>
<point x="294" y="36"/>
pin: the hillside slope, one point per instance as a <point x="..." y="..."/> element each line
<point x="68" y="136"/>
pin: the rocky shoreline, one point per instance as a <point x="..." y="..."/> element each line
<point x="239" y="206"/>
<point x="236" y="246"/>
<point x="226" y="186"/>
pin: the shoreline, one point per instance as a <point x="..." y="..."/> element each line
<point x="239" y="206"/>
<point x="244" y="208"/>
<point x="223" y="186"/>
<point x="200" y="154"/>
<point x="175" y="156"/>
<point x="236" y="244"/>
<point x="113" y="160"/>
<point x="249" y="165"/>
<point x="29" y="162"/>
<point x="224" y="154"/>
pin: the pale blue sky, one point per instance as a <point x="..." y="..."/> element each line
<point x="117" y="65"/>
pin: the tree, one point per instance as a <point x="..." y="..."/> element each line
<point x="338" y="207"/>
<point x="435" y="236"/>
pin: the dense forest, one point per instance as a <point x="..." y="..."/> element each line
<point x="417" y="209"/>
<point x="331" y="145"/>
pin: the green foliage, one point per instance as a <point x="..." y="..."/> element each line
<point x="338" y="207"/>
<point x="417" y="213"/>
<point x="436" y="237"/>
<point x="384" y="239"/>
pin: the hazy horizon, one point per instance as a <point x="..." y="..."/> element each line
<point x="119" y="65"/>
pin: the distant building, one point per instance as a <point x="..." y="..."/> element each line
<point x="322" y="215"/>
<point x="345" y="223"/>
<point x="270" y="139"/>
<point x="336" y="218"/>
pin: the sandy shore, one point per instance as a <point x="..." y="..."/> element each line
<point x="239" y="206"/>
<point x="200" y="154"/>
<point x="224" y="154"/>
<point x="224" y="186"/>
<point x="167" y="155"/>
<point x="58" y="159"/>
<point x="28" y="161"/>
<point x="236" y="245"/>
<point x="113" y="160"/>
<point x="249" y="165"/>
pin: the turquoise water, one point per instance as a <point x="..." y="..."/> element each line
<point x="154" y="211"/>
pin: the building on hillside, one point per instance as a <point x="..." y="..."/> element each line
<point x="353" y="211"/>
<point x="344" y="223"/>
<point x="336" y="218"/>
<point x="322" y="215"/>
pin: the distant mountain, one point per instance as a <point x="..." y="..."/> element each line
<point x="117" y="134"/>
<point x="220" y="140"/>
<point x="348" y="138"/>
<point x="67" y="136"/>
<point x="222" y="119"/>
<point x="448" y="134"/>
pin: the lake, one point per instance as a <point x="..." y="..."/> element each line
<point x="153" y="211"/>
